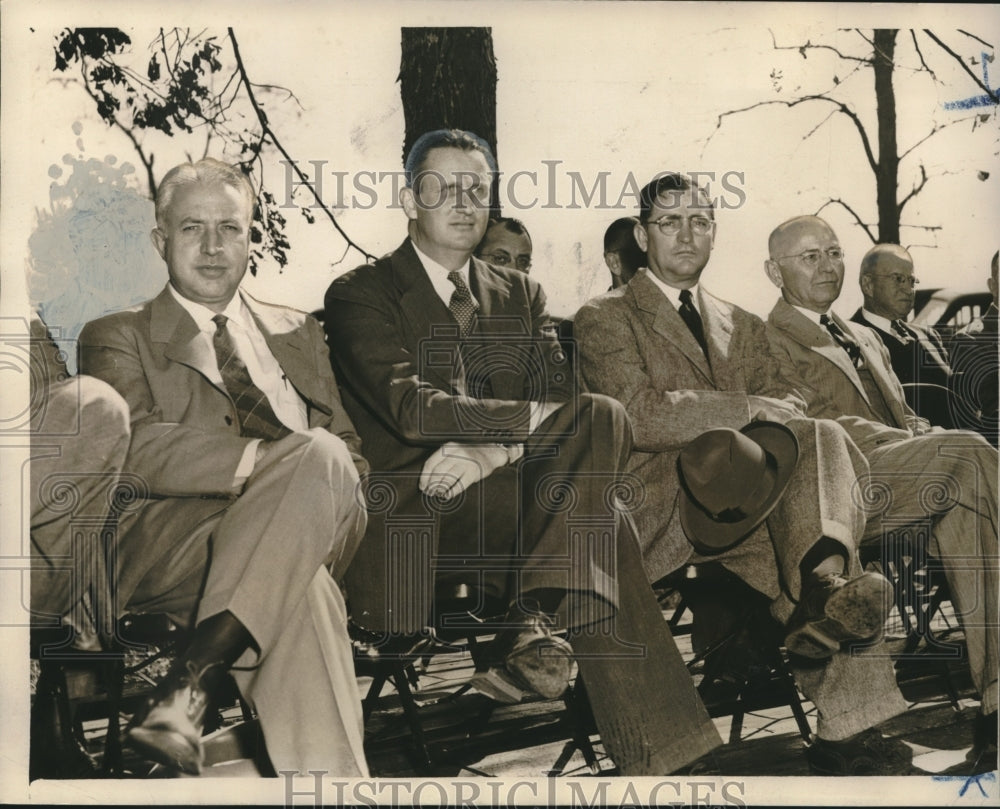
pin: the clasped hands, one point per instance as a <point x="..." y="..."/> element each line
<point x="455" y="467"/>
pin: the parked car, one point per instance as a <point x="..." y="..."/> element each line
<point x="950" y="308"/>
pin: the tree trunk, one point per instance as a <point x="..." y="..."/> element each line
<point x="448" y="80"/>
<point x="887" y="176"/>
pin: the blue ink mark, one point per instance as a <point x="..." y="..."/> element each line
<point x="976" y="101"/>
<point x="969" y="781"/>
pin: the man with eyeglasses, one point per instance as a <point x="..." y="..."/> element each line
<point x="942" y="480"/>
<point x="506" y="244"/>
<point x="918" y="355"/>
<point x="682" y="362"/>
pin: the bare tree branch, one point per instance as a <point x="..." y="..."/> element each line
<point x="916" y="45"/>
<point x="841" y="107"/>
<point x="973" y="36"/>
<point x="810" y="46"/>
<point x="914" y="191"/>
<point x="269" y="134"/>
<point x="937" y="128"/>
<point x="993" y="96"/>
<point x="865" y="227"/>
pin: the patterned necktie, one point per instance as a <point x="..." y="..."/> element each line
<point x="462" y="305"/>
<point x="257" y="419"/>
<point x="693" y="320"/>
<point x="845" y="342"/>
<point x="902" y="331"/>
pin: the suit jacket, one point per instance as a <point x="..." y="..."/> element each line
<point x="186" y="439"/>
<point x="411" y="385"/>
<point x="922" y="361"/>
<point x="823" y="376"/>
<point x="633" y="345"/>
<point x="976" y="366"/>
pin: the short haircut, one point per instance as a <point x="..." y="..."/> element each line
<point x="663" y="184"/>
<point x="208" y="171"/>
<point x="509" y="223"/>
<point x="444" y="139"/>
<point x="870" y="260"/>
<point x="620" y="234"/>
<point x="995" y="262"/>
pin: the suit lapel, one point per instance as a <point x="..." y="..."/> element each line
<point x="172" y="325"/>
<point x="492" y="290"/>
<point x="718" y="319"/>
<point x="661" y="316"/>
<point x="871" y="350"/>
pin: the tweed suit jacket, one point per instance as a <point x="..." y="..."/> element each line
<point x="633" y="345"/>
<point x="186" y="438"/>
<point x="823" y="375"/>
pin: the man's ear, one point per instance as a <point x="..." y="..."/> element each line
<point x="614" y="263"/>
<point x="641" y="237"/>
<point x="865" y="282"/>
<point x="159" y="239"/>
<point x="409" y="202"/>
<point x="773" y="271"/>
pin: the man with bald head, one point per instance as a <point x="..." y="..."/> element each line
<point x="842" y="371"/>
<point x="917" y="353"/>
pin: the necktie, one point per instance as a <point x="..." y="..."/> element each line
<point x="693" y="320"/>
<point x="462" y="305"/>
<point x="257" y="419"/>
<point x="845" y="342"/>
<point x="902" y="331"/>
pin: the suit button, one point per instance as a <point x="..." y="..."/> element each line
<point x="229" y="420"/>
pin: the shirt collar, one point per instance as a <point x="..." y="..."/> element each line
<point x="235" y="311"/>
<point x="435" y="269"/>
<point x="673" y="294"/>
<point x="877" y="320"/>
<point x="809" y="313"/>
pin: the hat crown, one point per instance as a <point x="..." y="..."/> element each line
<point x="723" y="471"/>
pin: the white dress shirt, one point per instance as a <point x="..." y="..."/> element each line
<point x="673" y="293"/>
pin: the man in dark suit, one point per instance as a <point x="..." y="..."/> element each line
<point x="249" y="509"/>
<point x="490" y="470"/>
<point x="684" y="361"/>
<point x="918" y="354"/>
<point x="910" y="461"/>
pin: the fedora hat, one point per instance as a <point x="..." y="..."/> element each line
<point x="731" y="480"/>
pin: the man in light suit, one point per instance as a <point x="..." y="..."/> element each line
<point x="249" y="510"/>
<point x="918" y="355"/>
<point x="914" y="461"/>
<point x="489" y="470"/>
<point x="682" y="361"/>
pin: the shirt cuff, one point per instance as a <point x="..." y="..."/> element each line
<point x="245" y="467"/>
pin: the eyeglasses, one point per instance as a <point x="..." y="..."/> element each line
<point x="812" y="258"/>
<point x="671" y="225"/>
<point x="899" y="279"/>
<point x="523" y="263"/>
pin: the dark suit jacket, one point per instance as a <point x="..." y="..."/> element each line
<point x="185" y="434"/>
<point x="405" y="382"/>
<point x="923" y="361"/>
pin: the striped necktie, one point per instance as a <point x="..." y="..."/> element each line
<point x="845" y="342"/>
<point x="257" y="419"/>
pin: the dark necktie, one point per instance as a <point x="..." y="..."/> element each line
<point x="462" y="305"/>
<point x="845" y="342"/>
<point x="257" y="419"/>
<point x="902" y="331"/>
<point x="693" y="320"/>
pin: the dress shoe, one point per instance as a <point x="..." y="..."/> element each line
<point x="833" y="609"/>
<point x="56" y="752"/>
<point x="526" y="658"/>
<point x="865" y="753"/>
<point x="983" y="756"/>
<point x="167" y="728"/>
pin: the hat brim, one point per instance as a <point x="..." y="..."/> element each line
<point x="709" y="536"/>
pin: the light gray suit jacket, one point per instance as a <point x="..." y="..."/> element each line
<point x="822" y="375"/>
<point x="633" y="345"/>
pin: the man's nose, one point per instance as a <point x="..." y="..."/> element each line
<point x="684" y="231"/>
<point x="210" y="242"/>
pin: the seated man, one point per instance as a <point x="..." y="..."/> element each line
<point x="80" y="434"/>
<point x="918" y="355"/>
<point x="251" y="470"/>
<point x="488" y="469"/>
<point x="976" y="362"/>
<point x="622" y="253"/>
<point x="506" y="243"/>
<point x="841" y="370"/>
<point x="682" y="361"/>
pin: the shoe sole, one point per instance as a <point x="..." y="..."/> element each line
<point x="857" y="611"/>
<point x="497" y="685"/>
<point x="166" y="747"/>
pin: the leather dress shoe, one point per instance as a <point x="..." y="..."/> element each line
<point x="833" y="609"/>
<point x="167" y="728"/>
<point x="526" y="658"/>
<point x="983" y="756"/>
<point x="865" y="753"/>
<point x="55" y="750"/>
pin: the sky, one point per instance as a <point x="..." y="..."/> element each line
<point x="586" y="89"/>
